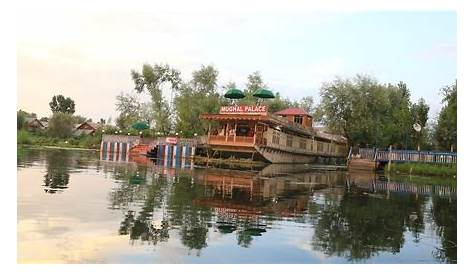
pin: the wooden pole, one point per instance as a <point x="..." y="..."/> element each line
<point x="227" y="131"/>
<point x="389" y="157"/>
<point x="235" y="131"/>
<point x="254" y="135"/>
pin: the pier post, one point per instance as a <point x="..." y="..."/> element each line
<point x="389" y="157"/>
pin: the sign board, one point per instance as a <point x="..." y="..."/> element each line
<point x="243" y="110"/>
<point x="171" y="140"/>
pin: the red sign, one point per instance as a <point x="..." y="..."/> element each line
<point x="243" y="109"/>
<point x="171" y="140"/>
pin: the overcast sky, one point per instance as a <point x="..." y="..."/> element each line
<point x="87" y="52"/>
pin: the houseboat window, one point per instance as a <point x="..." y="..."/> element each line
<point x="276" y="138"/>
<point x="289" y="140"/>
<point x="302" y="144"/>
<point x="298" y="119"/>
<point x="244" y="130"/>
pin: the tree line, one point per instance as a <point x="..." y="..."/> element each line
<point x="367" y="112"/>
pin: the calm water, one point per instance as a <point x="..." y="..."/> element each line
<point x="75" y="208"/>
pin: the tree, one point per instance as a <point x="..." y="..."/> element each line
<point x="254" y="82"/>
<point x="152" y="79"/>
<point x="78" y="119"/>
<point x="307" y="103"/>
<point x="20" y="119"/>
<point x="60" y="125"/>
<point x="419" y="114"/>
<point x="129" y="110"/>
<point x="446" y="128"/>
<point x="196" y="97"/>
<point x="367" y="112"/>
<point x="61" y="104"/>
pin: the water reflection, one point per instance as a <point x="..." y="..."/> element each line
<point x="354" y="217"/>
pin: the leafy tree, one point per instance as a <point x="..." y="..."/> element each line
<point x="78" y="119"/>
<point x="20" y="119"/>
<point x="307" y="103"/>
<point x="60" y="125"/>
<point x="61" y="104"/>
<point x="446" y="129"/>
<point x="367" y="112"/>
<point x="128" y="106"/>
<point x="196" y="97"/>
<point x="419" y="114"/>
<point x="254" y="82"/>
<point x="152" y="79"/>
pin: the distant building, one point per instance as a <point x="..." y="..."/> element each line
<point x="33" y="123"/>
<point x="86" y="128"/>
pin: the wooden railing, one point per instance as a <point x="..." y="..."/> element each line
<point x="230" y="139"/>
<point x="417" y="156"/>
<point x="408" y="156"/>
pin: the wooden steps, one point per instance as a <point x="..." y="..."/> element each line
<point x="362" y="164"/>
<point x="139" y="149"/>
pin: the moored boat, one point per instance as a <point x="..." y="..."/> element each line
<point x="286" y="136"/>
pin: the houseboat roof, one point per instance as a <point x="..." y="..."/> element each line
<point x="292" y="111"/>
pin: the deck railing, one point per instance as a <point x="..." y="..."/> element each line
<point x="417" y="156"/>
<point x="230" y="139"/>
<point x="408" y="156"/>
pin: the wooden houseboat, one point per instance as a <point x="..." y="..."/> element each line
<point x="286" y="136"/>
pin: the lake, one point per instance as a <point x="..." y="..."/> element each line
<point x="74" y="207"/>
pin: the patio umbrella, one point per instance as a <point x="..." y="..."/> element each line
<point x="263" y="93"/>
<point x="140" y="126"/>
<point x="234" y="93"/>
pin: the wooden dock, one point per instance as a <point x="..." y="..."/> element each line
<point x="373" y="158"/>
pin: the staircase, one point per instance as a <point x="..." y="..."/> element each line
<point x="362" y="164"/>
<point x="139" y="149"/>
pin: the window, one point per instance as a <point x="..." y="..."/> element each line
<point x="289" y="141"/>
<point x="298" y="119"/>
<point x="276" y="138"/>
<point x="302" y="144"/>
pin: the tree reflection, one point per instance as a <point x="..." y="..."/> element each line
<point x="141" y="226"/>
<point x="361" y="225"/>
<point x="194" y="221"/>
<point x="444" y="212"/>
<point x="57" y="170"/>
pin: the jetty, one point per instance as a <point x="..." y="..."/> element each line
<point x="374" y="158"/>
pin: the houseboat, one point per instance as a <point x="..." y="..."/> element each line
<point x="287" y="136"/>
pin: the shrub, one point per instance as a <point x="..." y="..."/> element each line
<point x="23" y="137"/>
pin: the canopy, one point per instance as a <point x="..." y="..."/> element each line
<point x="234" y="93"/>
<point x="140" y="126"/>
<point x="263" y="93"/>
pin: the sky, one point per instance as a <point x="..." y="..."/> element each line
<point x="87" y="52"/>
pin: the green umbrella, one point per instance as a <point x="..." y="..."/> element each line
<point x="140" y="126"/>
<point x="136" y="180"/>
<point x="234" y="93"/>
<point x="263" y="93"/>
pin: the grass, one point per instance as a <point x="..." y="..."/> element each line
<point x="423" y="169"/>
<point x="38" y="139"/>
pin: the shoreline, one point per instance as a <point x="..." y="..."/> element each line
<point x="56" y="147"/>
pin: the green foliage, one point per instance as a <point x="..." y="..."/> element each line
<point x="61" y="104"/>
<point x="369" y="113"/>
<point x="60" y="125"/>
<point x="196" y="97"/>
<point x="20" y="119"/>
<point x="423" y="169"/>
<point x="446" y="128"/>
<point x="23" y="137"/>
<point x="129" y="108"/>
<point x="152" y="79"/>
